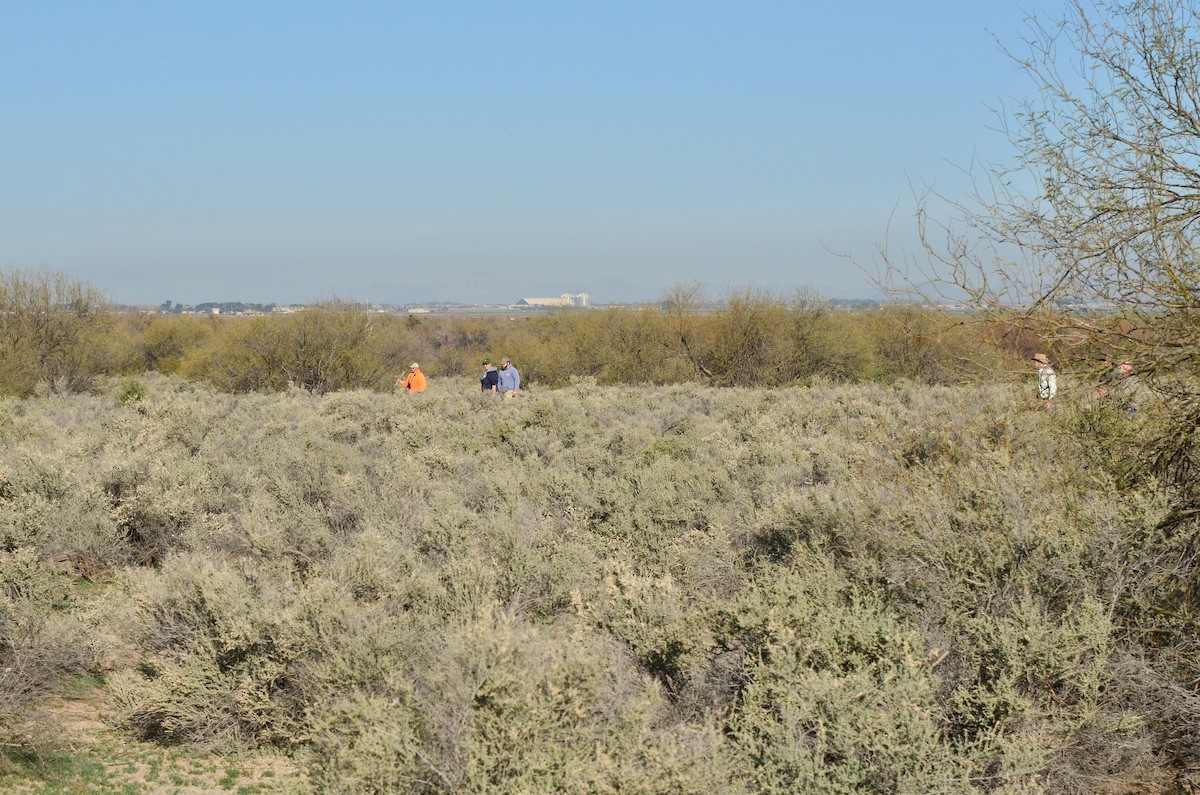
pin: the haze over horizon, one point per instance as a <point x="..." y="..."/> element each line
<point x="472" y="152"/>
<point x="483" y="289"/>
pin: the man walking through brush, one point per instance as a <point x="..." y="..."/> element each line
<point x="510" y="379"/>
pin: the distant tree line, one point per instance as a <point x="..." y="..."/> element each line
<point x="176" y="308"/>
<point x="233" y="307"/>
<point x="59" y="334"/>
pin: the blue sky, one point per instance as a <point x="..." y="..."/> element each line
<point x="414" y="151"/>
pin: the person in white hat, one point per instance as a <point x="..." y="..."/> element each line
<point x="1047" y="379"/>
<point x="414" y="381"/>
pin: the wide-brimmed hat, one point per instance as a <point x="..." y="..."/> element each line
<point x="1040" y="357"/>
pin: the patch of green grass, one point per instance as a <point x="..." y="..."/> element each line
<point x="131" y="392"/>
<point x="229" y="780"/>
<point x="57" y="773"/>
<point x="85" y="587"/>
<point x="102" y="768"/>
<point x="83" y="683"/>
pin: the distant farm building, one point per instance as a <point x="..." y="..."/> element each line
<point x="577" y="300"/>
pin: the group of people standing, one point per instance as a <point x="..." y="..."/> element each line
<point x="1116" y="382"/>
<point x="503" y="380"/>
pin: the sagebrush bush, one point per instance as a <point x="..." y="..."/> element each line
<point x="41" y="644"/>
<point x="876" y="588"/>
<point x="521" y="708"/>
<point x="834" y="695"/>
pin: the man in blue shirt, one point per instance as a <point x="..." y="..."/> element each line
<point x="510" y="379"/>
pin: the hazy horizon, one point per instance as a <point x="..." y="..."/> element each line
<point x="483" y="291"/>
<point x="290" y="151"/>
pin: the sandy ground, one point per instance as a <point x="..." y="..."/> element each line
<point x="105" y="760"/>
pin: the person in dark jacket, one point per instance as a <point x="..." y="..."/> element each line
<point x="491" y="377"/>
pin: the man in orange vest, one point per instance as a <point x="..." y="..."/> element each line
<point x="414" y="381"/>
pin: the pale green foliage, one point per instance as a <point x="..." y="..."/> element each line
<point x="837" y="695"/>
<point x="880" y="588"/>
<point x="39" y="644"/>
<point x="369" y="744"/>
<point x="548" y="711"/>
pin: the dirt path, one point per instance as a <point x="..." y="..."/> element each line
<point x="79" y="753"/>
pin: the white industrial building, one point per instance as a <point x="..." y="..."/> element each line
<point x="576" y="300"/>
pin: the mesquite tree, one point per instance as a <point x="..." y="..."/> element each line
<point x="1089" y="242"/>
<point x="50" y="329"/>
<point x="1090" y="236"/>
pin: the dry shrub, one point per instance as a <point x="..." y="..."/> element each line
<point x="648" y="615"/>
<point x="209" y="662"/>
<point x="49" y="328"/>
<point x="40" y="643"/>
<point x="363" y="743"/>
<point x="693" y="585"/>
<point x="835" y="695"/>
<point x="564" y="712"/>
<point x="331" y="346"/>
<point x="840" y="349"/>
<point x="750" y="337"/>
